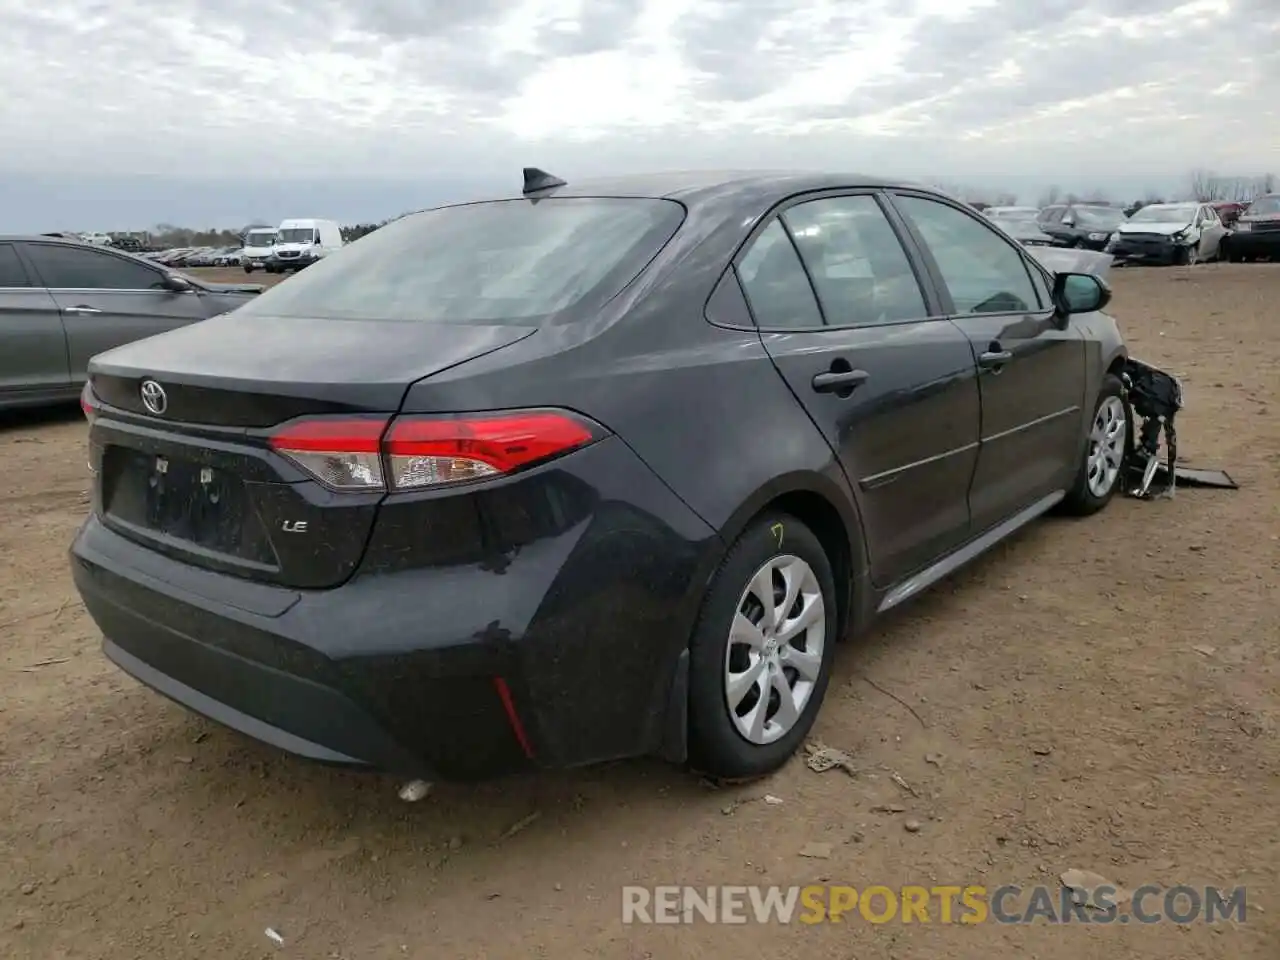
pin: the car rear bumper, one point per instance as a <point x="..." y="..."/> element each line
<point x="1255" y="243"/>
<point x="565" y="653"/>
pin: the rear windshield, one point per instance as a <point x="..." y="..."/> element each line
<point x="506" y="261"/>
<point x="1266" y="205"/>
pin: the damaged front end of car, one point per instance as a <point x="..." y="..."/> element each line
<point x="1153" y="397"/>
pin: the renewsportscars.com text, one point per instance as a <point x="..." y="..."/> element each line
<point x="972" y="904"/>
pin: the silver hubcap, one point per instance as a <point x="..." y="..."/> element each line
<point x="775" y="649"/>
<point x="1106" y="446"/>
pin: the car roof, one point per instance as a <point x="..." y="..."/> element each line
<point x="693" y="186"/>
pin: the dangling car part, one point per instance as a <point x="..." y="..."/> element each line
<point x="1155" y="397"/>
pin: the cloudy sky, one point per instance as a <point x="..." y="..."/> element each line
<point x="124" y="113"/>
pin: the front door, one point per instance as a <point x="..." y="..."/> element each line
<point x="33" y="348"/>
<point x="1212" y="231"/>
<point x="1031" y="363"/>
<point x="888" y="380"/>
<point x="107" y="299"/>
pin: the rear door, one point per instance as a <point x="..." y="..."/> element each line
<point x="1031" y="362"/>
<point x="864" y="347"/>
<point x="33" y="348"/>
<point x="107" y="299"/>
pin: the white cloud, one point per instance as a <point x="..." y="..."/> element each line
<point x="390" y="88"/>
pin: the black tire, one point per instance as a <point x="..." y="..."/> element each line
<point x="1080" y="500"/>
<point x="248" y="268"/>
<point x="716" y="748"/>
<point x="1183" y="256"/>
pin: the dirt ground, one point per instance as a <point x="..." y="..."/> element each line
<point x="1101" y="695"/>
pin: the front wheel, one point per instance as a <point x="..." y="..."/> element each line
<point x="761" y="654"/>
<point x="1106" y="452"/>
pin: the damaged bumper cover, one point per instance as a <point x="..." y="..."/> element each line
<point x="1154" y="398"/>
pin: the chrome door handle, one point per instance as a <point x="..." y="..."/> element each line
<point x="81" y="309"/>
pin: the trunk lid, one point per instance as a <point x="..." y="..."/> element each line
<point x="199" y="482"/>
<point x="254" y="372"/>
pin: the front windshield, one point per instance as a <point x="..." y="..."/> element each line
<point x="264" y="238"/>
<point x="1099" y="216"/>
<point x="1266" y="205"/>
<point x="296" y="235"/>
<point x="1164" y="213"/>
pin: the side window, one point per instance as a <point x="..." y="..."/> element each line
<point x="775" y="284"/>
<point x="79" y="268"/>
<point x="983" y="272"/>
<point x="12" y="272"/>
<point x="858" y="266"/>
<point x="1051" y="214"/>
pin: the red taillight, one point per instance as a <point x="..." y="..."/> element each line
<point x="414" y="453"/>
<point x="342" y="453"/>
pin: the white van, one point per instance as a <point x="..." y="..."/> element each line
<point x="300" y="243"/>
<point x="258" y="244"/>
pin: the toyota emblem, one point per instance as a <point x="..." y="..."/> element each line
<point x="154" y="397"/>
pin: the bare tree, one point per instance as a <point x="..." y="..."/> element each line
<point x="1097" y="195"/>
<point x="1206" y="186"/>
<point x="1267" y="183"/>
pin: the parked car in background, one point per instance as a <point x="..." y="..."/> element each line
<point x="1257" y="233"/>
<point x="1229" y="210"/>
<point x="1012" y="213"/>
<point x="229" y="257"/>
<point x="1084" y="226"/>
<point x="450" y="493"/>
<point x="1026" y="232"/>
<point x="199" y="257"/>
<point x="62" y="302"/>
<point x="258" y="246"/>
<point x="1180" y="233"/>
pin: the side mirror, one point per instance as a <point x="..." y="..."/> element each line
<point x="176" y="284"/>
<point x="1080" y="292"/>
<point x="1068" y="221"/>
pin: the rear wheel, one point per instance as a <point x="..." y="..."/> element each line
<point x="1106" y="451"/>
<point x="761" y="655"/>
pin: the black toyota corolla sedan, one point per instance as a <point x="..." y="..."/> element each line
<point x="600" y="470"/>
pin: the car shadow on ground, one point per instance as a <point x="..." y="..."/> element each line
<point x="35" y="418"/>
